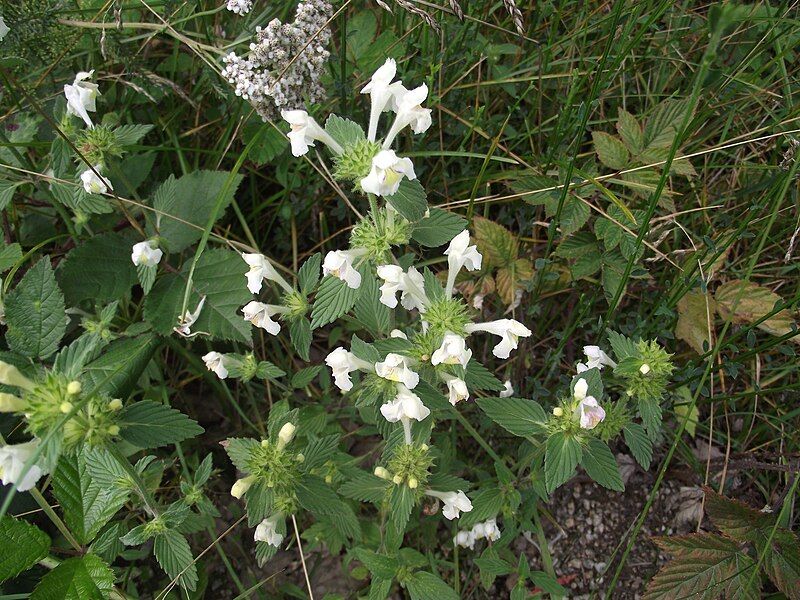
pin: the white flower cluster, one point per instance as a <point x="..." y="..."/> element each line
<point x="487" y="530"/>
<point x="586" y="409"/>
<point x="240" y="7"/>
<point x="286" y="64"/>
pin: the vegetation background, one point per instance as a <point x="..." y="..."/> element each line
<point x="577" y="97"/>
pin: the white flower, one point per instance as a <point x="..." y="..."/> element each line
<point x="260" y="315"/>
<point x="261" y="269"/>
<point x="10" y="403"/>
<point x="454" y="503"/>
<point x="509" y="329"/>
<point x="460" y="254"/>
<point x="94" y="184"/>
<point x="144" y="254"/>
<point x="266" y="531"/>
<point x="588" y="411"/>
<point x="305" y="131"/>
<point x="187" y="319"/>
<point x="490" y="530"/>
<point x="216" y="362"/>
<point x="12" y="465"/>
<point x="382" y="94"/>
<point x="395" y="368"/>
<point x="286" y="435"/>
<point x="596" y="358"/>
<point x="3" y="28"/>
<point x="407" y="105"/>
<point x="465" y="539"/>
<point x="396" y="333"/>
<point x="342" y="363"/>
<point x="410" y="284"/>
<point x="581" y="368"/>
<point x="508" y="389"/>
<point x="339" y="263"/>
<point x="240" y="7"/>
<point x="386" y="173"/>
<point x="457" y="390"/>
<point x="81" y="97"/>
<point x="240" y="486"/>
<point x="405" y="406"/>
<point x="453" y="351"/>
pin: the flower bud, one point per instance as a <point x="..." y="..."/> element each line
<point x="644" y="369"/>
<point x="113" y="430"/>
<point x="397" y="479"/>
<point x="285" y="435"/>
<point x="413" y="483"/>
<point x="264" y="443"/>
<point x="11" y="375"/>
<point x="241" y="486"/>
<point x="382" y="473"/>
<point x="74" y="388"/>
<point x="300" y="457"/>
<point x="10" y="403"/>
<point x="65" y="407"/>
<point x="115" y="404"/>
<point x="558" y="411"/>
<point x="425" y="447"/>
<point x="328" y="478"/>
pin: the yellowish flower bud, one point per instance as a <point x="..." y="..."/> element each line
<point x="558" y="411"/>
<point x="10" y="403"/>
<point x="115" y="404"/>
<point x="65" y="407"/>
<point x="264" y="443"/>
<point x="328" y="479"/>
<point x="11" y="375"/>
<point x="382" y="473"/>
<point x="74" y="388"/>
<point x="425" y="447"/>
<point x="413" y="483"/>
<point x="300" y="457"/>
<point x="113" y="430"/>
<point x="644" y="369"/>
<point x="285" y="435"/>
<point x="397" y="479"/>
<point x="241" y="486"/>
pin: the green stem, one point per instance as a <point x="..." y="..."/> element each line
<point x="48" y="510"/>
<point x="477" y="436"/>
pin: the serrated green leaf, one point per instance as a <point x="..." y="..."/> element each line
<point x="516" y="415"/>
<point x="35" y="313"/>
<point x="7" y="189"/>
<point x="650" y="411"/>
<point x="308" y="274"/>
<point x="401" y="504"/>
<point x="150" y="424"/>
<point x="10" y="255"/>
<point x="497" y="244"/>
<point x="175" y="557"/>
<point x="87" y="505"/>
<point x="562" y="454"/>
<point x="81" y="578"/>
<point x="23" y="546"/>
<point x="344" y="131"/>
<point x="100" y="269"/>
<point x="630" y="131"/>
<point x="300" y="335"/>
<point x="639" y="444"/>
<point x="365" y="487"/>
<point x="128" y="135"/>
<point x="486" y="504"/>
<point x="601" y="465"/>
<point x="409" y="200"/>
<point x="334" y="298"/>
<point x="116" y="370"/>
<point x="438" y="228"/>
<point x="478" y="377"/>
<point x="305" y="376"/>
<point x="611" y="151"/>
<point x="379" y="565"/>
<point x="368" y="309"/>
<point x="427" y="586"/>
<point x="491" y="566"/>
<point x="574" y="215"/>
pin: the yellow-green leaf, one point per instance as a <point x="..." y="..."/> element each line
<point x="747" y="302"/>
<point x="694" y="312"/>
<point x="497" y="244"/>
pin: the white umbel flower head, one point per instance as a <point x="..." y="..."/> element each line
<point x="12" y="465"/>
<point x="342" y="363"/>
<point x="408" y="106"/>
<point x="405" y="406"/>
<point x="509" y="329"/>
<point x="410" y="284"/>
<point x="81" y="97"/>
<point x="267" y="531"/>
<point x="260" y="315"/>
<point x="456" y="390"/>
<point x="261" y="269"/>
<point x="453" y="351"/>
<point x="94" y="184"/>
<point x="381" y="92"/>
<point x="454" y="503"/>
<point x="386" y="173"/>
<point x="240" y="7"/>
<point x="339" y="263"/>
<point x="508" y="389"/>
<point x="146" y="254"/>
<point x="460" y="254"/>
<point x="589" y="412"/>
<point x="395" y="367"/>
<point x="596" y="358"/>
<point x="216" y="362"/>
<point x="305" y="131"/>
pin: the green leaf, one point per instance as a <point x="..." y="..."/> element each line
<point x="147" y="277"/>
<point x="87" y="505"/>
<point x="150" y="424"/>
<point x="427" y="586"/>
<point x="650" y="411"/>
<point x="562" y="454"/>
<point x="365" y="487"/>
<point x="319" y="450"/>
<point x="128" y="135"/>
<point x="574" y="215"/>
<point x="100" y="269"/>
<point x="497" y="244"/>
<point x="478" y="377"/>
<point x="334" y="298"/>
<point x="491" y="566"/>
<point x="305" y="376"/>
<point x="7" y="192"/>
<point x="486" y="504"/>
<point x="379" y="565"/>
<point x="81" y="578"/>
<point x="640" y="445"/>
<point x="10" y="255"/>
<point x="23" y="546"/>
<point x="401" y="503"/>
<point x="611" y="151"/>
<point x="601" y="465"/>
<point x="117" y="369"/>
<point x="175" y="557"/>
<point x="623" y="347"/>
<point x="409" y="200"/>
<point x="308" y="274"/>
<point x="516" y="415"/>
<point x="549" y="584"/>
<point x="612" y="277"/>
<point x="300" y="334"/>
<point x="369" y="311"/>
<point x="35" y="313"/>
<point x="438" y="228"/>
<point x="187" y="203"/>
<point x="271" y="143"/>
<point x="630" y="131"/>
<point x="344" y="131"/>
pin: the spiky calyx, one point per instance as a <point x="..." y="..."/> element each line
<point x="378" y="232"/>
